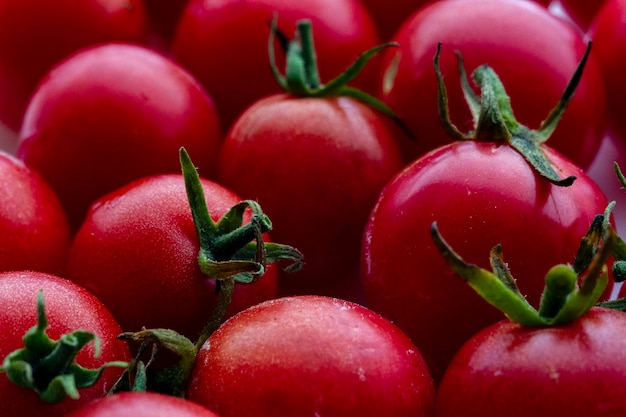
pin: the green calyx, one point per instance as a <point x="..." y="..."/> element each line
<point x="302" y="78"/>
<point x="569" y="292"/>
<point x="48" y="366"/>
<point x="494" y="120"/>
<point x="231" y="252"/>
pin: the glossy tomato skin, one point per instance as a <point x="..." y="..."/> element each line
<point x="35" y="36"/>
<point x="311" y="355"/>
<point x="68" y="307"/>
<point x="142" y="404"/>
<point x="608" y="33"/>
<point x="481" y="194"/>
<point x="111" y="114"/>
<point x="342" y="29"/>
<point x="316" y="166"/>
<point x="137" y="251"/>
<point x="534" y="53"/>
<point x="32" y="221"/>
<point x="575" y="370"/>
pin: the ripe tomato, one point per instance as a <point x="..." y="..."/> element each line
<point x="311" y="355"/>
<point x="533" y="52"/>
<point x="142" y="404"/>
<point x="576" y="369"/>
<point x="608" y="32"/>
<point x="316" y="166"/>
<point x="68" y="307"/>
<point x="137" y="250"/>
<point x="481" y="194"/>
<point x="111" y="114"/>
<point x="35" y="35"/>
<point x="32" y="221"/>
<point x="343" y="29"/>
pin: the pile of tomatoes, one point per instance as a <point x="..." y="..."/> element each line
<point x="293" y="268"/>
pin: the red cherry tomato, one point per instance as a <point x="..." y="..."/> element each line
<point x="316" y="166"/>
<point x="68" y="307"/>
<point x="35" y="35"/>
<point x="481" y="194"/>
<point x="576" y="369"/>
<point x="343" y="30"/>
<point x="311" y="355"/>
<point x="138" y="252"/>
<point x="533" y="52"/>
<point x="142" y="404"/>
<point x="32" y="221"/>
<point x="111" y="114"/>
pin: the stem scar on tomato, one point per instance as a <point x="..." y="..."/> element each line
<point x="493" y="115"/>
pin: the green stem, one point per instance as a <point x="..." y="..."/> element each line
<point x="226" y="291"/>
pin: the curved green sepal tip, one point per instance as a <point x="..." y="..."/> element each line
<point x="494" y="119"/>
<point x="567" y="295"/>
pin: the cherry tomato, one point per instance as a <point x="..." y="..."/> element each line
<point x="233" y="65"/>
<point x="35" y="35"/>
<point x="111" y="114"/>
<point x="311" y="355"/>
<point x="68" y="307"/>
<point x="137" y="250"/>
<point x="481" y="194"/>
<point x="32" y="221"/>
<point x="533" y="52"/>
<point x="142" y="404"/>
<point x="508" y="369"/>
<point x="316" y="166"/>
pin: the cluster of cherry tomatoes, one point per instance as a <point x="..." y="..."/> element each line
<point x="356" y="164"/>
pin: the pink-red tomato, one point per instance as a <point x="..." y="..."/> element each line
<point x="311" y="356"/>
<point x="33" y="224"/>
<point x="68" y="307"/>
<point x="35" y="35"/>
<point x="481" y="194"/>
<point x="534" y="53"/>
<point x="608" y="32"/>
<point x="233" y="64"/>
<point x="137" y="250"/>
<point x="578" y="369"/>
<point x="142" y="404"/>
<point x="316" y="166"/>
<point x="111" y="114"/>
